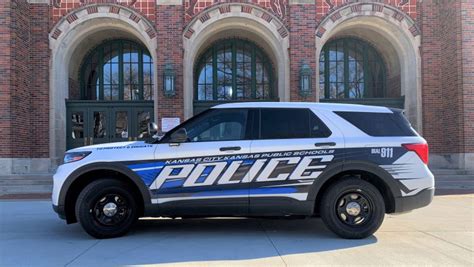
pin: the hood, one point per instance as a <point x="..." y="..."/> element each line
<point x="117" y="152"/>
<point x="107" y="146"/>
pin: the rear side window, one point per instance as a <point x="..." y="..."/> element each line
<point x="291" y="123"/>
<point x="379" y="124"/>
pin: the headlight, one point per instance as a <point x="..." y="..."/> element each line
<point x="75" y="156"/>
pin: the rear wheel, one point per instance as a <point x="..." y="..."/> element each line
<point x="106" y="209"/>
<point x="352" y="208"/>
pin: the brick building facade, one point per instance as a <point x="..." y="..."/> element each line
<point x="77" y="72"/>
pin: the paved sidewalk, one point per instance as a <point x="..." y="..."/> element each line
<point x="441" y="234"/>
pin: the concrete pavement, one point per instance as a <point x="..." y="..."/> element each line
<point x="441" y="234"/>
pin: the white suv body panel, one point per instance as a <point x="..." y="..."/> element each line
<point x="183" y="182"/>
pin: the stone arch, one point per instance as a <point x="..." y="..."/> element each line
<point x="237" y="20"/>
<point x="70" y="40"/>
<point x="393" y="33"/>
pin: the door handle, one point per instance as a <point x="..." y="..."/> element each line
<point x="325" y="144"/>
<point x="230" y="148"/>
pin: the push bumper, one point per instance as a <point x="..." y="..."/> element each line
<point x="422" y="199"/>
<point x="60" y="211"/>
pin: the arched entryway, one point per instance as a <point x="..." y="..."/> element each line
<point x="115" y="95"/>
<point x="378" y="47"/>
<point x="351" y="68"/>
<point x="237" y="23"/>
<point x="232" y="70"/>
<point x="89" y="34"/>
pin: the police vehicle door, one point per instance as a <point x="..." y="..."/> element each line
<point x="205" y="174"/>
<point x="295" y="147"/>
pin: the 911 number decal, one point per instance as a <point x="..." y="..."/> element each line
<point x="384" y="152"/>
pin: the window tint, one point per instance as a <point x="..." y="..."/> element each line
<point x="218" y="125"/>
<point x="291" y="123"/>
<point x="379" y="124"/>
<point x="317" y="128"/>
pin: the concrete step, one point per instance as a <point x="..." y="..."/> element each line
<point x="25" y="182"/>
<point x="451" y="172"/>
<point x="27" y="177"/>
<point x="453" y="178"/>
<point x="21" y="189"/>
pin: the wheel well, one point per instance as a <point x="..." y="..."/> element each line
<point x="375" y="180"/>
<point x="84" y="179"/>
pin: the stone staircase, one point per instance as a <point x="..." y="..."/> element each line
<point x="26" y="186"/>
<point x="448" y="181"/>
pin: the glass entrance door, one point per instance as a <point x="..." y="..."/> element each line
<point x="96" y="123"/>
<point x="142" y="117"/>
<point x="121" y="124"/>
<point x="77" y="123"/>
<point x="99" y="125"/>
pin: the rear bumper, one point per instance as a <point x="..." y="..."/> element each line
<point x="422" y="199"/>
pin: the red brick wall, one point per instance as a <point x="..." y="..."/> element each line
<point x="278" y="7"/>
<point x="39" y="87"/>
<point x="20" y="80"/>
<point x="467" y="39"/>
<point x="24" y="112"/>
<point x="302" y="26"/>
<point x="431" y="83"/>
<point x="447" y="52"/>
<point x="325" y="7"/>
<point x="59" y="8"/>
<point x="443" y="97"/>
<point x="170" y="24"/>
<point x="451" y="76"/>
<point x="5" y="72"/>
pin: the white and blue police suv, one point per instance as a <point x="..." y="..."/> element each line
<point x="349" y="164"/>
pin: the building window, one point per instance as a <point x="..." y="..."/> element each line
<point x="351" y="68"/>
<point x="117" y="70"/>
<point x="233" y="69"/>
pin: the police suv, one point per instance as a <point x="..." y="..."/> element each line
<point x="349" y="164"/>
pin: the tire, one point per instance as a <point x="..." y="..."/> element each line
<point x="95" y="213"/>
<point x="349" y="220"/>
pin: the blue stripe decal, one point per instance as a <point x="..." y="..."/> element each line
<point x="146" y="165"/>
<point x="148" y="176"/>
<point x="251" y="191"/>
<point x="173" y="183"/>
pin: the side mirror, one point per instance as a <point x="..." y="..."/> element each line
<point x="152" y="129"/>
<point x="180" y="136"/>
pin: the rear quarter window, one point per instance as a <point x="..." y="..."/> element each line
<point x="288" y="123"/>
<point x="379" y="124"/>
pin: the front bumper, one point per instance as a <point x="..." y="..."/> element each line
<point x="60" y="211"/>
<point x="422" y="199"/>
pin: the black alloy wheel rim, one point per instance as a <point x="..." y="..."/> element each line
<point x="111" y="209"/>
<point x="354" y="208"/>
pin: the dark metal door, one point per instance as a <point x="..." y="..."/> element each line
<point x="141" y="116"/>
<point x="121" y="124"/>
<point x="77" y="127"/>
<point x="92" y="122"/>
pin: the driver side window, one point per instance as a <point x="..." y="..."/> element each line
<point x="218" y="125"/>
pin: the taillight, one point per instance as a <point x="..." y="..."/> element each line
<point x="420" y="149"/>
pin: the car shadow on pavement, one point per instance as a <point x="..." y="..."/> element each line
<point x="154" y="241"/>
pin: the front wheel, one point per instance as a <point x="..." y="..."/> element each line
<point x="106" y="209"/>
<point x="352" y="208"/>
